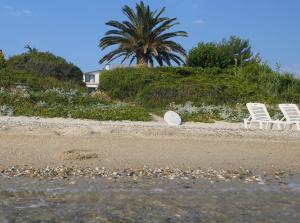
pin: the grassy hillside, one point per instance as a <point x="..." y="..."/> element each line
<point x="157" y="87"/>
<point x="25" y="94"/>
<point x="197" y="94"/>
<point x="200" y="94"/>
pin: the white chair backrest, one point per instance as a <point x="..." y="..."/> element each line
<point x="258" y="111"/>
<point x="291" y="112"/>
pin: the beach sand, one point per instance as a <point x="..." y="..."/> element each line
<point x="39" y="142"/>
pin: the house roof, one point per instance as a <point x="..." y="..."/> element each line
<point x="111" y="68"/>
<point x="93" y="71"/>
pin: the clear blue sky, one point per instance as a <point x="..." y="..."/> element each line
<point x="72" y="29"/>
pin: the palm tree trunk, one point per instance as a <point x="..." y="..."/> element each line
<point x="142" y="61"/>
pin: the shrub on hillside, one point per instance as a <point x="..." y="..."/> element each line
<point x="210" y="113"/>
<point x="67" y="104"/>
<point x="198" y="89"/>
<point x="233" y="52"/>
<point x="271" y="86"/>
<point x="101" y="95"/>
<point x="11" y="78"/>
<point x="27" y="94"/>
<point x="45" y="64"/>
<point x="126" y="83"/>
<point x="157" y="87"/>
<point x="6" y="110"/>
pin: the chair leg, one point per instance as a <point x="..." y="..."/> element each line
<point x="278" y="126"/>
<point x="246" y="123"/>
<point x="260" y="125"/>
<point x="288" y="126"/>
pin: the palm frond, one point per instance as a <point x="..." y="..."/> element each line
<point x="144" y="37"/>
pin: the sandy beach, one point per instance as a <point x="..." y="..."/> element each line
<point x="39" y="142"/>
<point x="66" y="170"/>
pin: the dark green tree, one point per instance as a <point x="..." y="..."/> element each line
<point x="46" y="64"/>
<point x="208" y="55"/>
<point x="233" y="52"/>
<point x="143" y="37"/>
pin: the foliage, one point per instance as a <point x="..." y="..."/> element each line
<point x="101" y="95"/>
<point x="45" y="64"/>
<point x="143" y="37"/>
<point x="67" y="104"/>
<point x="157" y="87"/>
<point x="2" y="60"/>
<point x="210" y="113"/>
<point x="6" y="110"/>
<point x="33" y="95"/>
<point x="233" y="52"/>
<point x="11" y="79"/>
<point x="272" y="86"/>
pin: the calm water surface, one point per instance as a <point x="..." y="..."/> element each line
<point x="147" y="200"/>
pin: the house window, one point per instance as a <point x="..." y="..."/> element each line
<point x="90" y="78"/>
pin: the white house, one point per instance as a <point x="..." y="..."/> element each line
<point x="92" y="78"/>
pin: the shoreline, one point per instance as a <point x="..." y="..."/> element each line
<point x="156" y="129"/>
<point x="40" y="143"/>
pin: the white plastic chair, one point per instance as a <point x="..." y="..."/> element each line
<point x="291" y="115"/>
<point x="259" y="114"/>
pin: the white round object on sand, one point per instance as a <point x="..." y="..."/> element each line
<point x="172" y="118"/>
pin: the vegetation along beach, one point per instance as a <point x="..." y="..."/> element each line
<point x="95" y="146"/>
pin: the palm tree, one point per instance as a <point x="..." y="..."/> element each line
<point x="143" y="37"/>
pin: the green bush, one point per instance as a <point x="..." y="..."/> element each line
<point x="11" y="78"/>
<point x="131" y="113"/>
<point x="270" y="87"/>
<point x="157" y="87"/>
<point x="208" y="55"/>
<point x="67" y="104"/>
<point x="126" y="83"/>
<point x="40" y="84"/>
<point x="45" y="64"/>
<point x="210" y="113"/>
<point x="233" y="52"/>
<point x="26" y="94"/>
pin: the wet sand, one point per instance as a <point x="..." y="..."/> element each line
<point x="99" y="200"/>
<point x="46" y="142"/>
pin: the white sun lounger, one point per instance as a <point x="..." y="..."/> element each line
<point x="291" y="114"/>
<point x="259" y="114"/>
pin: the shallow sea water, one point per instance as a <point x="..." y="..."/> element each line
<point x="147" y="200"/>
